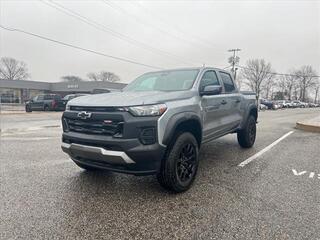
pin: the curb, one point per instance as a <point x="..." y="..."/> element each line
<point x="309" y="126"/>
<point x="24" y="130"/>
<point x="12" y="113"/>
<point x="23" y="112"/>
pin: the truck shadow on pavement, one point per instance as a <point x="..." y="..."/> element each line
<point x="217" y="159"/>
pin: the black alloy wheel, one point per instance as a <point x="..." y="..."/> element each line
<point x="247" y="135"/>
<point x="186" y="164"/>
<point x="180" y="164"/>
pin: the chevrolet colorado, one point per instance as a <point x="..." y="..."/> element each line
<point x="157" y="124"/>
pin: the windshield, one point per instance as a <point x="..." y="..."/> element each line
<point x="68" y="97"/>
<point x="176" y="80"/>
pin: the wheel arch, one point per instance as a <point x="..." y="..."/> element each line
<point x="252" y="111"/>
<point x="183" y="122"/>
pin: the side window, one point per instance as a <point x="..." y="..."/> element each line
<point x="209" y="78"/>
<point x="49" y="97"/>
<point x="227" y="82"/>
<point x="40" y="98"/>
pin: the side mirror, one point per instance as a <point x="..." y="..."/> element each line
<point x="211" y="90"/>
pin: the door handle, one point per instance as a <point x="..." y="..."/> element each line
<point x="237" y="101"/>
<point x="223" y="102"/>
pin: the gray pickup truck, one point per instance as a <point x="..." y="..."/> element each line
<point x="157" y="124"/>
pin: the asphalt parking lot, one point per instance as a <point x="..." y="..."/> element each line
<point x="276" y="196"/>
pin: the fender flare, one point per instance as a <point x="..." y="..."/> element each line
<point x="174" y="122"/>
<point x="250" y="108"/>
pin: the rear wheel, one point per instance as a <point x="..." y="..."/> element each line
<point x="180" y="165"/>
<point x="46" y="108"/>
<point x="247" y="135"/>
<point x="28" y="108"/>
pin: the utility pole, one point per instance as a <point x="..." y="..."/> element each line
<point x="234" y="60"/>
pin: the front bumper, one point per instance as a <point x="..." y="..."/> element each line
<point x="119" y="155"/>
<point x="98" y="153"/>
<point x="113" y="140"/>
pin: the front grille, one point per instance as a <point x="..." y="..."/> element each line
<point x="114" y="128"/>
<point x="95" y="109"/>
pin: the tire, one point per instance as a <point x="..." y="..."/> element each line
<point x="28" y="109"/>
<point x="46" y="108"/>
<point x="86" y="167"/>
<point x="180" y="164"/>
<point x="247" y="135"/>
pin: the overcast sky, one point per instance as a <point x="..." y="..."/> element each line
<point x="166" y="34"/>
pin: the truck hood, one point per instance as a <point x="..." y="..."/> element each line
<point x="122" y="99"/>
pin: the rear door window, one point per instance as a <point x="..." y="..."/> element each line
<point x="227" y="82"/>
<point x="47" y="97"/>
<point x="40" y="98"/>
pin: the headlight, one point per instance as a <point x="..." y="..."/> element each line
<point x="68" y="107"/>
<point x="148" y="110"/>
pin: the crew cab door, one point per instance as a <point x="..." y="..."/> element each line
<point x="232" y="102"/>
<point x="212" y="107"/>
<point x="37" y="102"/>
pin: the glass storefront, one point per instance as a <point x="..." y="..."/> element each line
<point x="8" y="95"/>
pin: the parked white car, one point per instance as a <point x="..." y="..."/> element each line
<point x="304" y="104"/>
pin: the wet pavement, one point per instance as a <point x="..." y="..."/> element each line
<point x="44" y="195"/>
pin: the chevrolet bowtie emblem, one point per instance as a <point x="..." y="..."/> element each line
<point x="84" y="115"/>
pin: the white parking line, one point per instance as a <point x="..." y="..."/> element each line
<point x="258" y="154"/>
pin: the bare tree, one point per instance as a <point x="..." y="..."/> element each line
<point x="12" y="69"/>
<point x="268" y="86"/>
<point x="256" y="73"/>
<point x="306" y="77"/>
<point x="317" y="91"/>
<point x="71" y="78"/>
<point x="288" y="84"/>
<point x="109" y="77"/>
<point x="103" y="76"/>
<point x="93" y="76"/>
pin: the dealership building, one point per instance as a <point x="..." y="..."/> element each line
<point x="19" y="91"/>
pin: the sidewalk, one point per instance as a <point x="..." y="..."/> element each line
<point x="12" y="122"/>
<point x="12" y="108"/>
<point x="19" y="112"/>
<point x="312" y="125"/>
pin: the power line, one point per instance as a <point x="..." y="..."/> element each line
<point x="108" y="30"/>
<point x="80" y="48"/>
<point x="282" y="74"/>
<point x="203" y="42"/>
<point x="148" y="24"/>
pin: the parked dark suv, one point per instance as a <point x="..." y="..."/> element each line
<point x="45" y="102"/>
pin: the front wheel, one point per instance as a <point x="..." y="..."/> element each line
<point x="180" y="165"/>
<point x="247" y="135"/>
